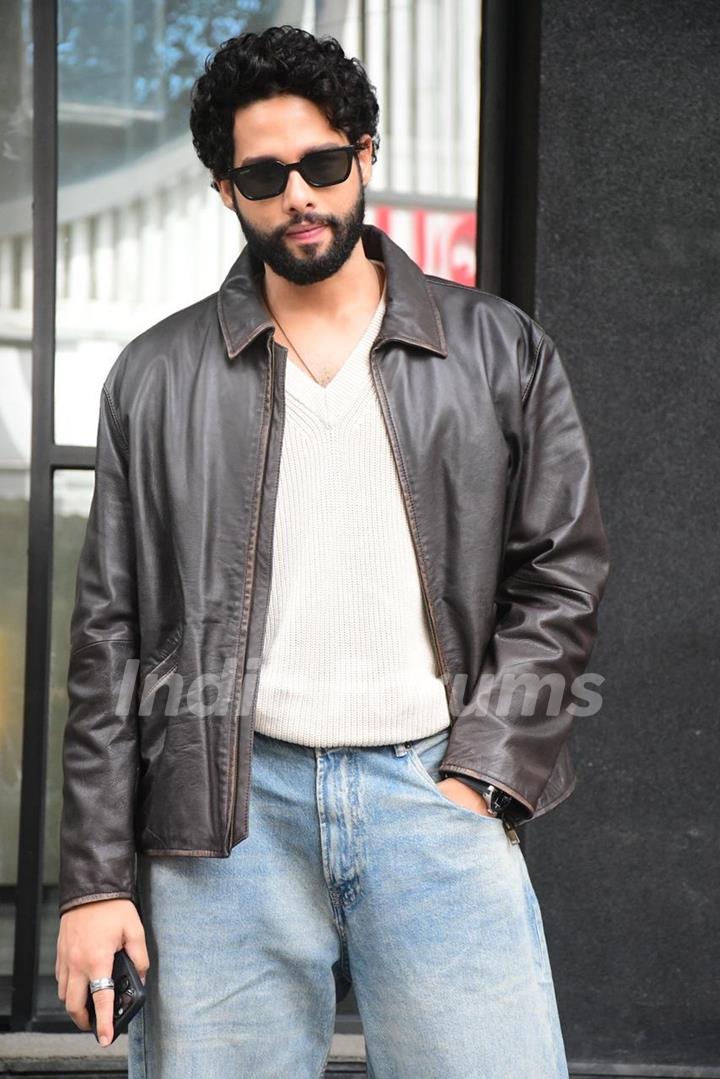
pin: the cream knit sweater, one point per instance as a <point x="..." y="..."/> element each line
<point x="347" y="657"/>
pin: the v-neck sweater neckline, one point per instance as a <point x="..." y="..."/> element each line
<point x="331" y="403"/>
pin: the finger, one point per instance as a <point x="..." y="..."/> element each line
<point x="75" y="1000"/>
<point x="138" y="954"/>
<point x="103" y="1000"/>
<point x="62" y="983"/>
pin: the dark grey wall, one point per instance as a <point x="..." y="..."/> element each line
<point x="627" y="272"/>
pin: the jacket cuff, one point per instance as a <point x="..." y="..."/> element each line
<point x="81" y="900"/>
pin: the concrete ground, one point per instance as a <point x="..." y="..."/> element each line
<point x="71" y="1055"/>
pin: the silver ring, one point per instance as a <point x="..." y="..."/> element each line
<point x="101" y="983"/>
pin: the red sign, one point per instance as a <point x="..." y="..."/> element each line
<point x="442" y="242"/>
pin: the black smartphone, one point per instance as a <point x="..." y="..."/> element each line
<point x="129" y="994"/>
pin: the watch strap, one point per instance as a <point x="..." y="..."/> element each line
<point x="500" y="802"/>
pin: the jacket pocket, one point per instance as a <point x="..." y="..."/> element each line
<point x="156" y="706"/>
<point x="154" y="673"/>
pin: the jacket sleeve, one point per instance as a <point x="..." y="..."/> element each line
<point x="554" y="571"/>
<point x="100" y="750"/>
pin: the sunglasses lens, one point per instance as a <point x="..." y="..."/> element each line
<point x="261" y="181"/>
<point x="326" y="167"/>
<point x="267" y="178"/>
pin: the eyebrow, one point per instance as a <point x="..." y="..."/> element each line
<point x="269" y="157"/>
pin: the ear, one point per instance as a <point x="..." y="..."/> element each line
<point x="365" y="158"/>
<point x="225" y="191"/>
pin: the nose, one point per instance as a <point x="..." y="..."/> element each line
<point x="298" y="195"/>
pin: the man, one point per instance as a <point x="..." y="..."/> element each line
<point x="336" y="504"/>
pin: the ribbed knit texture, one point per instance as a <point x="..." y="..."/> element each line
<point x="347" y="656"/>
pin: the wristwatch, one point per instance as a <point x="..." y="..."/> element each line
<point x="497" y="800"/>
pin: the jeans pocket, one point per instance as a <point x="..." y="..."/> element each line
<point x="426" y="756"/>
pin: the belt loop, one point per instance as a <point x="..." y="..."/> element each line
<point x="400" y="749"/>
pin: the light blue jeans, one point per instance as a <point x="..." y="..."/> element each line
<point x="355" y="863"/>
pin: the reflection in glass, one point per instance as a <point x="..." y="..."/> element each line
<point x="141" y="234"/>
<point x="423" y="61"/>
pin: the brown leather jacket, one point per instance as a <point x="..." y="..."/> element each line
<point x="174" y="573"/>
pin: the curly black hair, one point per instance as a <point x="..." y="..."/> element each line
<point x="280" y="60"/>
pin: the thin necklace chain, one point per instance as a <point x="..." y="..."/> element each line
<point x="302" y="361"/>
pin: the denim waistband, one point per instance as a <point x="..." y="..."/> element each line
<point x="426" y="741"/>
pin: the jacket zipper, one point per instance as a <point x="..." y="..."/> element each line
<point x="413" y="529"/>
<point x="247" y="596"/>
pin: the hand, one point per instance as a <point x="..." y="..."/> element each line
<point x="459" y="792"/>
<point x="88" y="939"/>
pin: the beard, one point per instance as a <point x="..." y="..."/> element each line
<point x="307" y="267"/>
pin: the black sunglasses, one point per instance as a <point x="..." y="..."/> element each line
<point x="320" y="168"/>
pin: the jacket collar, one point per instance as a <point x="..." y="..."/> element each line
<point x="411" y="314"/>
